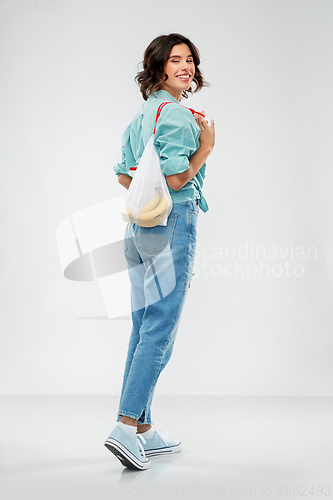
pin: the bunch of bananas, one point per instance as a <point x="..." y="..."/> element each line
<point x="151" y="214"/>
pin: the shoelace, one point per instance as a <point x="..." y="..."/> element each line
<point x="140" y="443"/>
<point x="164" y="435"/>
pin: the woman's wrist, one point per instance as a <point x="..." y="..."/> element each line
<point x="206" y="149"/>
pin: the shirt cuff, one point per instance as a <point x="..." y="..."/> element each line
<point x="119" y="168"/>
<point x="175" y="165"/>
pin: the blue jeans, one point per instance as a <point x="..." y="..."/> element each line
<point x="160" y="264"/>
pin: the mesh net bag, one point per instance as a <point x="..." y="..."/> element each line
<point x="148" y="202"/>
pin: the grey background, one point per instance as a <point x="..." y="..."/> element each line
<point x="67" y="94"/>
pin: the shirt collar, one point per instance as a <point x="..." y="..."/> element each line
<point x="164" y="95"/>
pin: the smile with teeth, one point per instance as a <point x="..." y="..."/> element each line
<point x="184" y="77"/>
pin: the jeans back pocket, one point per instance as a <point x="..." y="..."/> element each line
<point x="154" y="240"/>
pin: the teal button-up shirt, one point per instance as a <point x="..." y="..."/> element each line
<point x="176" y="140"/>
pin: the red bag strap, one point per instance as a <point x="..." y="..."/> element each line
<point x="161" y="106"/>
<point x="193" y="111"/>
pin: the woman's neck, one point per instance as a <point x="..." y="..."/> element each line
<point x="177" y="94"/>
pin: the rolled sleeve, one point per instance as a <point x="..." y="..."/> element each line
<point x="120" y="168"/>
<point x="176" y="140"/>
<point x="127" y="156"/>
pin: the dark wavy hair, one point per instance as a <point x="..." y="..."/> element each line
<point x="156" y="55"/>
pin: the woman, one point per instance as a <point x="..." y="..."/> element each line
<point x="183" y="140"/>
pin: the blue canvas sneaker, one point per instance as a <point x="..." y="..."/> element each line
<point x="160" y="444"/>
<point x="128" y="450"/>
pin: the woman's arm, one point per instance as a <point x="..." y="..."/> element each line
<point x="207" y="141"/>
<point x="177" y="181"/>
<point x="124" y="180"/>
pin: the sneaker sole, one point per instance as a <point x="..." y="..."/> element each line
<point x="125" y="456"/>
<point x="163" y="451"/>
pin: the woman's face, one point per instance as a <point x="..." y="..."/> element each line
<point x="180" y="70"/>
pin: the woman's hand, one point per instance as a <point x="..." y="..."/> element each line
<point x="207" y="134"/>
<point x="124" y="180"/>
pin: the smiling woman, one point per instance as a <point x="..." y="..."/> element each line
<point x="162" y="58"/>
<point x="183" y="140"/>
<point x="179" y="70"/>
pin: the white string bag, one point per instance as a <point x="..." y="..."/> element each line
<point x="148" y="201"/>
